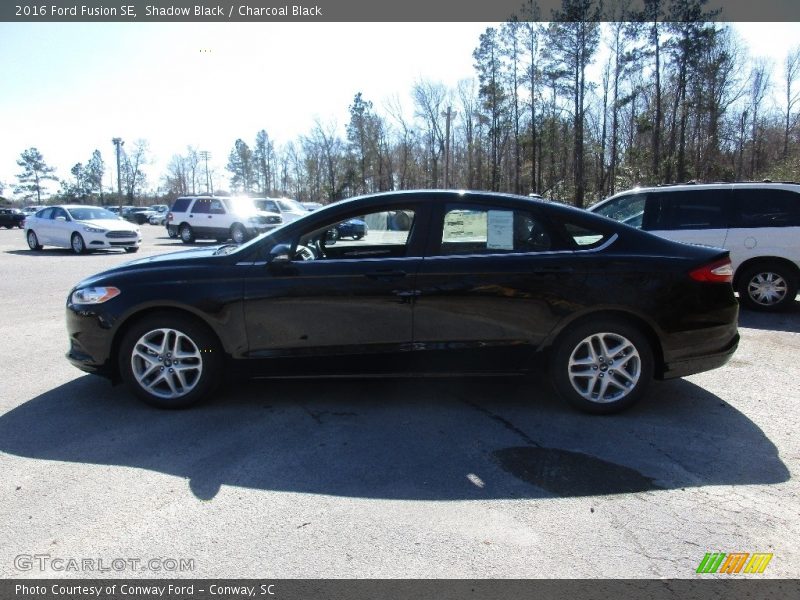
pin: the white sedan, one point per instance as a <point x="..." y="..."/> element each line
<point x="82" y="228"/>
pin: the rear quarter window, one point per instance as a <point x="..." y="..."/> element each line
<point x="181" y="205"/>
<point x="766" y="208"/>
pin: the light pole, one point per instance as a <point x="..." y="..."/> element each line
<point x="118" y="144"/>
<point x="448" y="115"/>
<point x="205" y="155"/>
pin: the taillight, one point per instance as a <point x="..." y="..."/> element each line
<point x="169" y="217"/>
<point x="719" y="271"/>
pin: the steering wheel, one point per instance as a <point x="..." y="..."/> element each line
<point x="304" y="253"/>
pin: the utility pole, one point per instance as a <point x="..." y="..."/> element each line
<point x="449" y="115"/>
<point x="205" y="155"/>
<point x="118" y="143"/>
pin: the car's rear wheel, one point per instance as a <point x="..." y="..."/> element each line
<point x="77" y="243"/>
<point x="186" y="233"/>
<point x="170" y="361"/>
<point x="33" y="241"/>
<point x="602" y="366"/>
<point x="238" y="233"/>
<point x="767" y="287"/>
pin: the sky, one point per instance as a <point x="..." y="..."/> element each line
<point x="68" y="88"/>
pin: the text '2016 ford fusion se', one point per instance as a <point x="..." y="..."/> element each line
<point x="442" y="281"/>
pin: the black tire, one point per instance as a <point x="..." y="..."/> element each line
<point x="149" y="378"/>
<point x="238" y="233"/>
<point x="33" y="241"/>
<point x="77" y="243"/>
<point x="358" y="236"/>
<point x="21" y="224"/>
<point x="132" y="249"/>
<point x="603" y="384"/>
<point x="172" y="232"/>
<point x="767" y="287"/>
<point x="186" y="234"/>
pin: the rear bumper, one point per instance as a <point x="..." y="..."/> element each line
<point x="700" y="363"/>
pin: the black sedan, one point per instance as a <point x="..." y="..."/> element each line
<point x="478" y="283"/>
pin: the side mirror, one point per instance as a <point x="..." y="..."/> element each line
<point x="280" y="255"/>
<point x="63" y="219"/>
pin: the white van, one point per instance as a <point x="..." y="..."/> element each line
<point x="759" y="223"/>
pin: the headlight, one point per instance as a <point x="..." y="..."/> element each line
<point x="93" y="229"/>
<point x="94" y="295"/>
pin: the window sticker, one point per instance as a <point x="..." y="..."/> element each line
<point x="500" y="235"/>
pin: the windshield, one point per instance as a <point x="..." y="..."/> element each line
<point x="241" y="206"/>
<point x="91" y="213"/>
<point x="291" y="205"/>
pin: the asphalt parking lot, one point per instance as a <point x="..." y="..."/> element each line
<point x="444" y="478"/>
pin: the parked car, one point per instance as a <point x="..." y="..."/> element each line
<point x="221" y="218"/>
<point x="759" y="223"/>
<point x="136" y="214"/>
<point x="11" y="217"/>
<point x="353" y="228"/>
<point x="290" y="210"/>
<point x="30" y="210"/>
<point x="82" y="228"/>
<point x="480" y="282"/>
<point x="158" y="214"/>
<point x="312" y="205"/>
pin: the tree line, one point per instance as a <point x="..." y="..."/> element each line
<point x="574" y="109"/>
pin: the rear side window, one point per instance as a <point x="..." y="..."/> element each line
<point x="694" y="209"/>
<point x="473" y="229"/>
<point x="766" y="208"/>
<point x="181" y="204"/>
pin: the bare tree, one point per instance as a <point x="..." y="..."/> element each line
<point x="791" y="70"/>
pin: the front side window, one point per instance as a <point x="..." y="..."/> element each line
<point x="492" y="230"/>
<point x="379" y="234"/>
<point x="626" y="209"/>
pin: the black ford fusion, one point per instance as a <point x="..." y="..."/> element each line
<point x="455" y="282"/>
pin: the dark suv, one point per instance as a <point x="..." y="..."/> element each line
<point x="11" y="217"/>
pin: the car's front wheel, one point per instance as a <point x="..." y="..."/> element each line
<point x="186" y="233"/>
<point x="170" y="361"/>
<point x="77" y="243"/>
<point x="602" y="366"/>
<point x="767" y="287"/>
<point x="33" y="241"/>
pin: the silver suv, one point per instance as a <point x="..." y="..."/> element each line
<point x="759" y="223"/>
<point x="218" y="217"/>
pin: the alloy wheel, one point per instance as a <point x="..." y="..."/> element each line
<point x="166" y="363"/>
<point x="604" y="367"/>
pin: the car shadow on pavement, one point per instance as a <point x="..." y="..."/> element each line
<point x="786" y="320"/>
<point x="395" y="438"/>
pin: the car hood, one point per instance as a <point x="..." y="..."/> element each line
<point x="110" y="224"/>
<point x="183" y="258"/>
